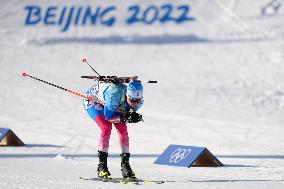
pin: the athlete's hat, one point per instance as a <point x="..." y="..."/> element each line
<point x="135" y="90"/>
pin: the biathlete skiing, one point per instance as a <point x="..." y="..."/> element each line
<point x="112" y="101"/>
<point x="119" y="105"/>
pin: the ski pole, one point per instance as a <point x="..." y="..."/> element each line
<point x="70" y="91"/>
<point x="62" y="88"/>
<point x="84" y="60"/>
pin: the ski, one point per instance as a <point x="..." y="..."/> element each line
<point x="124" y="180"/>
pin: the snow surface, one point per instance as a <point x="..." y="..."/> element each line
<point x="220" y="85"/>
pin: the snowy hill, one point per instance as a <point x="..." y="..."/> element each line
<point x="220" y="85"/>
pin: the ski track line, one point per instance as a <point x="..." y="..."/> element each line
<point x="240" y="23"/>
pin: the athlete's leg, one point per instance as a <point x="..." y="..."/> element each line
<point x="123" y="136"/>
<point x="105" y="127"/>
<point x="96" y="113"/>
<point x="125" y="155"/>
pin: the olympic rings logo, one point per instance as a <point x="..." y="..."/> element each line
<point x="179" y="154"/>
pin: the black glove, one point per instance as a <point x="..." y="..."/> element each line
<point x="135" y="118"/>
<point x="131" y="117"/>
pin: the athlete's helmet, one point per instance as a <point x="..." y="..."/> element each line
<point x="134" y="90"/>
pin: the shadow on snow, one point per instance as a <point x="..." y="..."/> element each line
<point x="140" y="40"/>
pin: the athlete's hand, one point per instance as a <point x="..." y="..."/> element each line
<point x="131" y="117"/>
<point x="135" y="118"/>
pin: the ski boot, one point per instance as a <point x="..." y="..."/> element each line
<point x="126" y="170"/>
<point x="102" y="167"/>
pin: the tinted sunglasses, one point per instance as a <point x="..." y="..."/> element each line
<point x="133" y="100"/>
